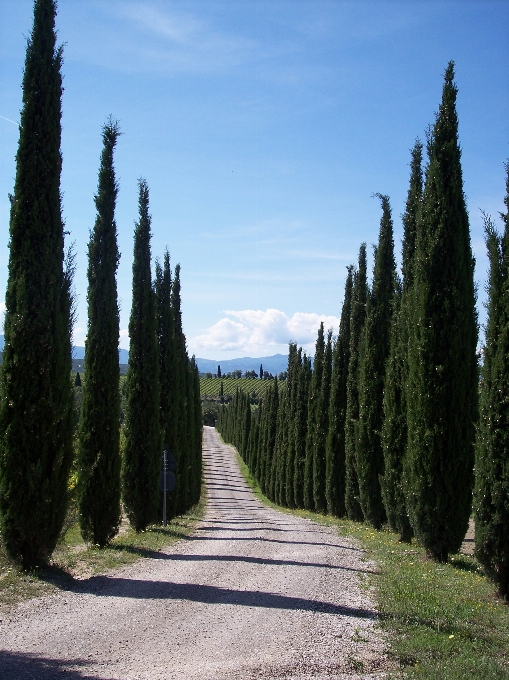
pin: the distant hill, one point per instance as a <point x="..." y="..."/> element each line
<point x="78" y="354"/>
<point x="274" y="364"/>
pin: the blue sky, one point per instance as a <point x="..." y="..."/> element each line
<point x="263" y="129"/>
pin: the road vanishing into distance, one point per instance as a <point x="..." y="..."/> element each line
<point x="252" y="593"/>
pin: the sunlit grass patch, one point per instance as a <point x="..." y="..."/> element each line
<point x="443" y="621"/>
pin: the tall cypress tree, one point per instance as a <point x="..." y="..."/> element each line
<point x="322" y="429"/>
<point x="335" y="452"/>
<point x="182" y="397"/>
<point x="491" y="499"/>
<point x="394" y="429"/>
<point x="313" y="406"/>
<point x="166" y="343"/>
<point x="360" y="293"/>
<point x="142" y="456"/>
<point x="198" y="433"/>
<point x="36" y="411"/>
<point x="443" y="375"/>
<point x="99" y="452"/>
<point x="374" y="351"/>
<point x="169" y="389"/>
<point x="294" y="364"/>
<point x="300" y="427"/>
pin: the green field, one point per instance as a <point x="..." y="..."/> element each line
<point x="210" y="387"/>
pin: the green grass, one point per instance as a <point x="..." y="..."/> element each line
<point x="210" y="387"/>
<point x="442" y="621"/>
<point x="73" y="557"/>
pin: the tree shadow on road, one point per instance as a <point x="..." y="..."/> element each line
<point x="18" y="665"/>
<point x="111" y="586"/>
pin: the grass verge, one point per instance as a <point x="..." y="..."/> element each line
<point x="443" y="621"/>
<point x="73" y="558"/>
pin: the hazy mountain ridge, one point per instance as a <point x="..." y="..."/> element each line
<point x="273" y="364"/>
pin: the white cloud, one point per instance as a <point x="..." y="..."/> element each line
<point x="123" y="338"/>
<point x="260" y="332"/>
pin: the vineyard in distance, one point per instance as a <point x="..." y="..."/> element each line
<point x="212" y="387"/>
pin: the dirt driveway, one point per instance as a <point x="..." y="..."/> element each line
<point x="254" y="593"/>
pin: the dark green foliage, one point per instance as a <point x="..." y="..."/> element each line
<point x="313" y="406"/>
<point x="335" y="452"/>
<point x="394" y="430"/>
<point x="77" y="380"/>
<point x="443" y="375"/>
<point x="196" y="467"/>
<point x="300" y="427"/>
<point x="182" y="445"/>
<point x="99" y="437"/>
<point x="374" y="350"/>
<point x="294" y="367"/>
<point x="143" y="441"/>
<point x="413" y="205"/>
<point x="166" y="343"/>
<point x="36" y="411"/>
<point x="268" y="435"/>
<point x="234" y="424"/>
<point x="277" y="481"/>
<point x="491" y="498"/>
<point x="322" y="429"/>
<point x="360" y="293"/>
<point x="168" y="377"/>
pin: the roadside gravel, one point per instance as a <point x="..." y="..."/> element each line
<point x="253" y="593"/>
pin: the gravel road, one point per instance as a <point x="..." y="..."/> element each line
<point x="253" y="593"/>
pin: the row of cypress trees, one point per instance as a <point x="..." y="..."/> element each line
<point x="387" y="420"/>
<point x="37" y="418"/>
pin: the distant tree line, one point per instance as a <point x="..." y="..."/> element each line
<point x="263" y="375"/>
<point x="383" y="429"/>
<point x="37" y="415"/>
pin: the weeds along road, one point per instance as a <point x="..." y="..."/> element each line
<point x="253" y="593"/>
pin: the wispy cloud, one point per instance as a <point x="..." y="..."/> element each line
<point x="157" y="37"/>
<point x="258" y="331"/>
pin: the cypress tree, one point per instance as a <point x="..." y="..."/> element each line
<point x="374" y="350"/>
<point x="313" y="406"/>
<point x="294" y="365"/>
<point x="143" y="445"/>
<point x="300" y="428"/>
<point x="99" y="436"/>
<point x="198" y="432"/>
<point x="166" y="344"/>
<point x="322" y="428"/>
<point x="394" y="429"/>
<point x="360" y="293"/>
<point x="491" y="501"/>
<point x="169" y="390"/>
<point x="335" y="451"/>
<point x="281" y="449"/>
<point x="37" y="410"/>
<point x="443" y="375"/>
<point x="181" y="385"/>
